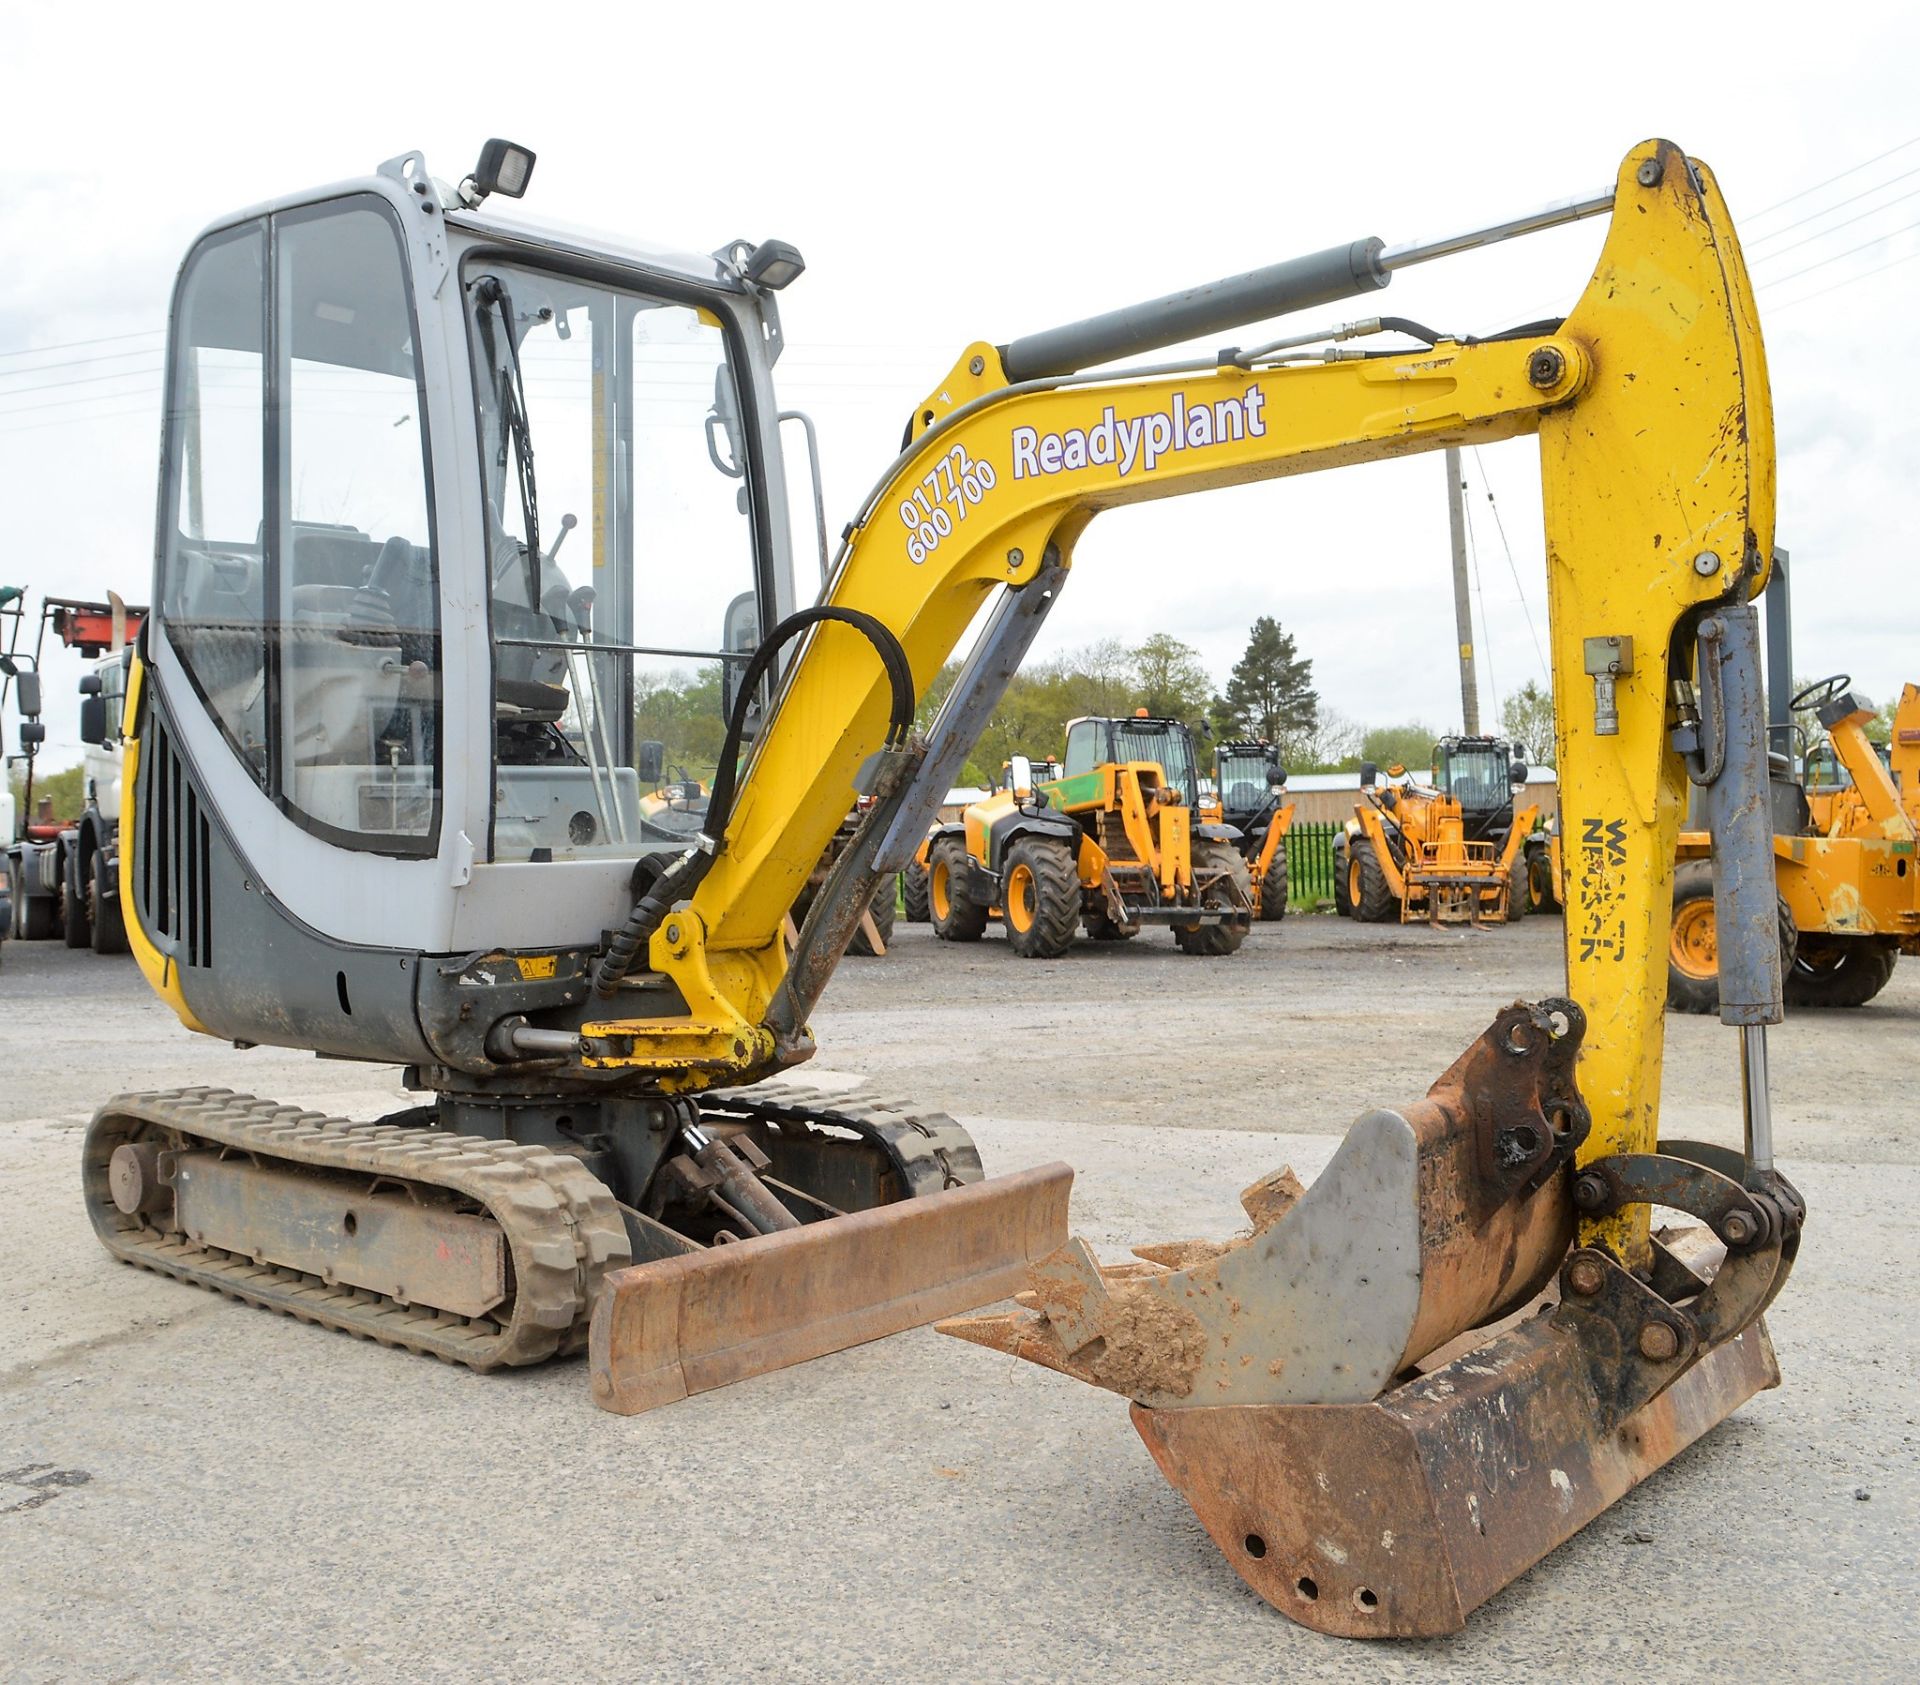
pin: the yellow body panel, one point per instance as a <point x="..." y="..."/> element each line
<point x="160" y="972"/>
<point x="1277" y="831"/>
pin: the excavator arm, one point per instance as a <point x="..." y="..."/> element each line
<point x="1367" y="1462"/>
<point x="1650" y="401"/>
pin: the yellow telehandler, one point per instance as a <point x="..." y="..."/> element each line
<point x="1451" y="852"/>
<point x="1848" y="875"/>
<point x="381" y="760"/>
<point x="1115" y="842"/>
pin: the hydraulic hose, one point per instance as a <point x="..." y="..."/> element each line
<point x="682" y="876"/>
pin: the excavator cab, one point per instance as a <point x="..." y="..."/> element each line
<point x="357" y="384"/>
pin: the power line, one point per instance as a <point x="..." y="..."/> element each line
<point x="1519" y="591"/>
<point x="73" y="420"/>
<point x="1828" y="210"/>
<point x="75" y="344"/>
<point x="1865" y="245"/>
<point x="1851" y="170"/>
<point x="78" y="380"/>
<point x="1865" y="274"/>
<point x="1875" y="210"/>
<point x="78" y="362"/>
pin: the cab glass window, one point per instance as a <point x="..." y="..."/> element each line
<point x="299" y="586"/>
<point x="619" y="494"/>
<point x="1083" y="748"/>
<point x="213" y="597"/>
<point x="359" y="673"/>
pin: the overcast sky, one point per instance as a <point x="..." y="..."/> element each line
<point x="978" y="171"/>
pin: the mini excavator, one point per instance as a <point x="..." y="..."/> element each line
<point x="392" y="745"/>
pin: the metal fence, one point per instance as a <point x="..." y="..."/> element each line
<point x="1310" y="863"/>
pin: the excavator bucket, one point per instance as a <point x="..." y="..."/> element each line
<point x="1370" y="1465"/>
<point x="684" y="1324"/>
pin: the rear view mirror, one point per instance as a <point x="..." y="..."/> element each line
<point x="1020" y="777"/>
<point x="724" y="445"/>
<point x="1276" y="776"/>
<point x="93" y="719"/>
<point x="89" y="684"/>
<point x="1517" y="773"/>
<point x="651" y="763"/>
<point x="739" y="635"/>
<point x="32" y="735"/>
<point x="1369" y="775"/>
<point x="26" y="695"/>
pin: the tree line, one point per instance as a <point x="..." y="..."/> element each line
<point x="1268" y="696"/>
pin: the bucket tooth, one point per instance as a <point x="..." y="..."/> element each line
<point x="682" y="1325"/>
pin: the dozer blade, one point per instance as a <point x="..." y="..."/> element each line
<point x="1366" y="1463"/>
<point x="683" y="1325"/>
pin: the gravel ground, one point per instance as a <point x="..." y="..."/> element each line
<point x="192" y="1488"/>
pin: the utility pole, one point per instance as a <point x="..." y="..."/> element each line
<point x="1462" y="614"/>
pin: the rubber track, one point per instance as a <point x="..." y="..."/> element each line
<point x="929" y="1149"/>
<point x="562" y="1227"/>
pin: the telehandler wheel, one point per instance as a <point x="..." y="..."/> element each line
<point x="1518" y="889"/>
<point x="1273" y="886"/>
<point x="1041" y="908"/>
<point x="955" y="918"/>
<point x="109" y="928"/>
<point x="882" y="908"/>
<point x="1342" y="901"/>
<point x="913" y="893"/>
<point x="1540" y="886"/>
<point x="1368" y="892"/>
<point x="1221" y="862"/>
<point x="74" y="923"/>
<point x="1840" y="970"/>
<point x="1693" y="964"/>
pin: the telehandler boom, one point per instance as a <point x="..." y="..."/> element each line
<point x="383" y="796"/>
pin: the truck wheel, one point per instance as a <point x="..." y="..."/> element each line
<point x="1342" y="901"/>
<point x="881" y="907"/>
<point x="1224" y="937"/>
<point x="103" y="911"/>
<point x="1693" y="962"/>
<point x="955" y="918"/>
<point x="74" y="923"/>
<point x="39" y="917"/>
<point x="1273" y="886"/>
<point x="1368" y="891"/>
<point x="1518" y="889"/>
<point x="1042" y="902"/>
<point x="913" y="892"/>
<point x="1840" y="970"/>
